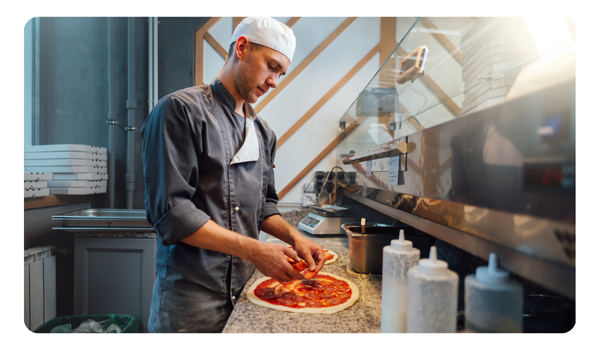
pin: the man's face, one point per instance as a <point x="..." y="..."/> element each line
<point x="259" y="71"/>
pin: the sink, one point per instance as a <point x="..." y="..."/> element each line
<point x="104" y="218"/>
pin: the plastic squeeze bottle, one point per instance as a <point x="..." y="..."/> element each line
<point x="398" y="257"/>
<point x="432" y="296"/>
<point x="493" y="302"/>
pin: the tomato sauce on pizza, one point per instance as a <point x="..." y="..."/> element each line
<point x="318" y="292"/>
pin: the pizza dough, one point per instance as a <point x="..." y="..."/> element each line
<point x="319" y="310"/>
<point x="332" y="260"/>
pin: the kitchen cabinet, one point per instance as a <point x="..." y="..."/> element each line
<point x="114" y="275"/>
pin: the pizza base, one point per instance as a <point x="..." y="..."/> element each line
<point x="335" y="257"/>
<point x="320" y="310"/>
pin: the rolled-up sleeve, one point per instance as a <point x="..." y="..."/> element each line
<point x="271" y="198"/>
<point x="170" y="152"/>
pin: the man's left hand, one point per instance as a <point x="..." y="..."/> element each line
<point x="312" y="253"/>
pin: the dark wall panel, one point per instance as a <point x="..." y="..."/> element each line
<point x="176" y="45"/>
<point x="75" y="82"/>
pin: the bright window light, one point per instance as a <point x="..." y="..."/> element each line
<point x="550" y="35"/>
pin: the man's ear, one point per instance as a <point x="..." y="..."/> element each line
<point x="242" y="46"/>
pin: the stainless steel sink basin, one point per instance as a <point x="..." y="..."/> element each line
<point x="104" y="218"/>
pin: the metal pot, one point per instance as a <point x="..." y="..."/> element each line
<point x="366" y="249"/>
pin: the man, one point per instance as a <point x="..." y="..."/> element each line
<point x="209" y="187"/>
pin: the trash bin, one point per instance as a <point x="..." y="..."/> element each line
<point x="127" y="323"/>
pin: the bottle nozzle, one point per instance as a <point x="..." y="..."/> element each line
<point x="401" y="243"/>
<point x="492" y="273"/>
<point x="493" y="263"/>
<point x="433" y="254"/>
<point x="432" y="265"/>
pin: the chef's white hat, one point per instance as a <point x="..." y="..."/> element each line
<point x="267" y="32"/>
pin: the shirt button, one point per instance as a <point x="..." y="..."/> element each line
<point x="236" y="208"/>
<point x="233" y="297"/>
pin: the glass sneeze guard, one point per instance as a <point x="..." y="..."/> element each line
<point x="470" y="64"/>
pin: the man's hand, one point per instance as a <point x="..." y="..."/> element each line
<point x="270" y="259"/>
<point x="312" y="253"/>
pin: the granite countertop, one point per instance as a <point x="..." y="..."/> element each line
<point x="362" y="317"/>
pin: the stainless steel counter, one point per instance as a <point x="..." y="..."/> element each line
<point x="362" y="317"/>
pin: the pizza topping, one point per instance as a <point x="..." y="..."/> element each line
<point x="344" y="295"/>
<point x="287" y="295"/>
<point x="300" y="299"/>
<point x="312" y="296"/>
<point x="287" y="302"/>
<point x="308" y="274"/>
<point x="344" y="289"/>
<point x="332" y="301"/>
<point x="320" y="291"/>
<point x="313" y="303"/>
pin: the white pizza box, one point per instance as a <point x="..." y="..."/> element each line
<point x="492" y="39"/>
<point x="500" y="80"/>
<point x="66" y="147"/>
<point x="485" y="95"/>
<point x="509" y="77"/>
<point x="492" y="66"/>
<point x="507" y="67"/>
<point x="77" y="183"/>
<point x="485" y="104"/>
<point x="36" y="176"/>
<point x="81" y="176"/>
<point x="66" y="169"/>
<point x="36" y="192"/>
<point x="493" y="47"/>
<point x="65" y="155"/>
<point x="476" y="100"/>
<point x="65" y="162"/>
<point x="494" y="51"/>
<point x="77" y="190"/>
<point x="35" y="184"/>
<point x="483" y="88"/>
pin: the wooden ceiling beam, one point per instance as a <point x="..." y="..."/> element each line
<point x="327" y="96"/>
<point x="443" y="40"/>
<point x="304" y="64"/>
<point x="349" y="129"/>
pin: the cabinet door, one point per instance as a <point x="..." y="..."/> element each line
<point x="114" y="275"/>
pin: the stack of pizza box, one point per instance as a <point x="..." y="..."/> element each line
<point x="493" y="52"/>
<point x="36" y="184"/>
<point x="73" y="169"/>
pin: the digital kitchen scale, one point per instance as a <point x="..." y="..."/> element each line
<point x="326" y="219"/>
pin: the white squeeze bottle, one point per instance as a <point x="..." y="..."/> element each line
<point x="398" y="257"/>
<point x="493" y="302"/>
<point x="432" y="296"/>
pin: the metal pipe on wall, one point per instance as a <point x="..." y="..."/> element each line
<point x="112" y="116"/>
<point x="131" y="107"/>
<point x="152" y="62"/>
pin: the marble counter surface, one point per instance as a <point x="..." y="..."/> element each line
<point x="362" y="317"/>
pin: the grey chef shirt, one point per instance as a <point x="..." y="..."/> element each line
<point x="189" y="141"/>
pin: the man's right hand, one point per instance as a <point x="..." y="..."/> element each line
<point x="270" y="259"/>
